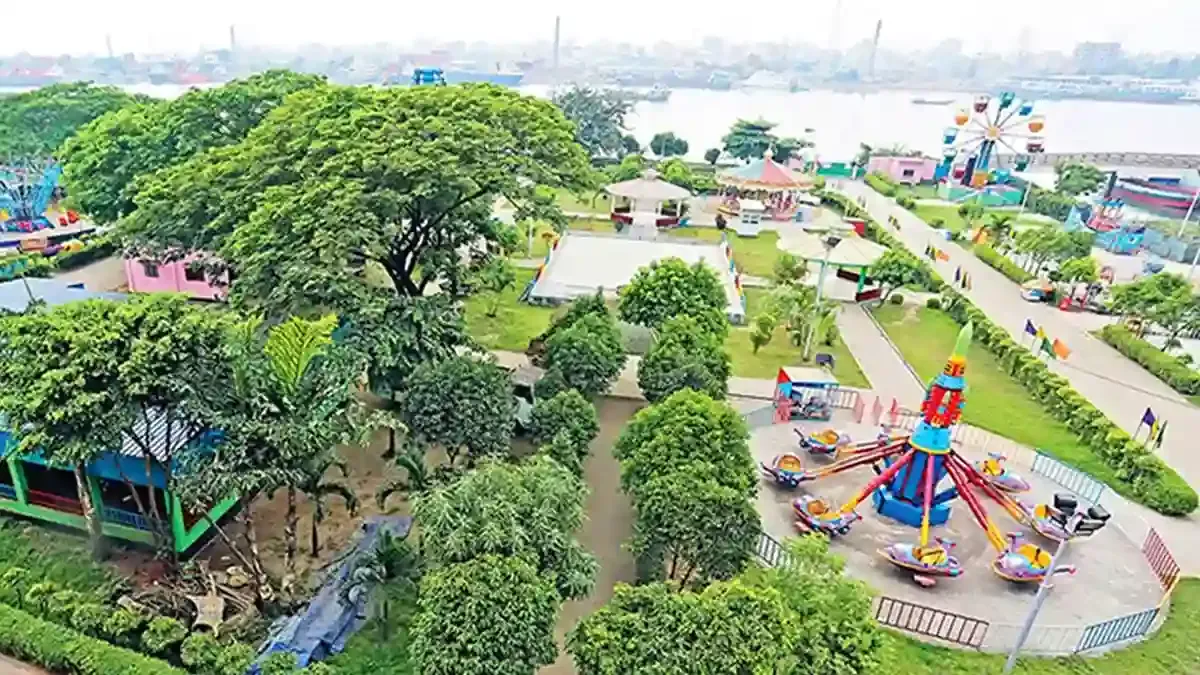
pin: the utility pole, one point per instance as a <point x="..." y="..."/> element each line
<point x="874" y="50"/>
<point x="557" y="38"/>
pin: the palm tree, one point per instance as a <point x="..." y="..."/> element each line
<point x="418" y="479"/>
<point x="999" y="227"/>
<point x="317" y="489"/>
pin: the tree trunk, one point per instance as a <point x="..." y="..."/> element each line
<point x="259" y="576"/>
<point x="318" y="516"/>
<point x="289" y="536"/>
<point x="94" y="527"/>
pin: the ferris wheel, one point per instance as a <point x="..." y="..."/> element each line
<point x="972" y="146"/>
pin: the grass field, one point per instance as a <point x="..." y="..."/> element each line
<point x="921" y="191"/>
<point x="52" y="555"/>
<point x="995" y="401"/>
<point x="947" y="214"/>
<point x="573" y="203"/>
<point x="515" y="322"/>
<point x="1173" y="650"/>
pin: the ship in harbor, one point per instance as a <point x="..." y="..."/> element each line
<point x="1096" y="88"/>
<point x="459" y="72"/>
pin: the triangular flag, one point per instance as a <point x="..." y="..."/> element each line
<point x="1148" y="417"/>
<point x="958" y="273"/>
<point x="1153" y="431"/>
<point x="1040" y="334"/>
<point x="1048" y="348"/>
<point x="1029" y="328"/>
<point x="943" y="256"/>
<point x="1060" y="349"/>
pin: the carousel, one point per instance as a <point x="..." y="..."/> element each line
<point x="779" y="189"/>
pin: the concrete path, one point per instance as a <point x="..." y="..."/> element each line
<point x="106" y="274"/>
<point x="890" y="376"/>
<point x="12" y="667"/>
<point x="1117" y="386"/>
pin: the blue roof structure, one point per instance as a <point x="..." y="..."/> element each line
<point x="18" y="294"/>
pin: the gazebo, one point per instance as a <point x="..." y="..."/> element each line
<point x="767" y="181"/>
<point x="648" y="197"/>
<point x="852" y="256"/>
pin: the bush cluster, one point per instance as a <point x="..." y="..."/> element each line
<point x="1142" y="476"/>
<point x="1000" y="262"/>
<point x="37" y="265"/>
<point x="906" y="202"/>
<point x="1170" y="369"/>
<point x="882" y="184"/>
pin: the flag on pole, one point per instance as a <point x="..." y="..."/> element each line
<point x="1148" y="417"/>
<point x="1048" y="348"/>
<point x="1153" y="432"/>
<point x="1162" y="429"/>
<point x="1060" y="349"/>
<point x="1029" y="328"/>
<point x="943" y="256"/>
<point x="1040" y="334"/>
<point x="957" y="273"/>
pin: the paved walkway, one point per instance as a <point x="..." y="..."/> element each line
<point x="1117" y="386"/>
<point x="106" y="274"/>
<point x="883" y="365"/>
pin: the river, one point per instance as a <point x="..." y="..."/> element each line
<point x="839" y="121"/>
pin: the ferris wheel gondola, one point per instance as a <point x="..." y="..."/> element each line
<point x="971" y="146"/>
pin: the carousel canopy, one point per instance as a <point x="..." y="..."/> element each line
<point x="849" y="252"/>
<point x="649" y="188"/>
<point x="764" y="174"/>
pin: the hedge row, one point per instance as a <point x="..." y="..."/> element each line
<point x="882" y="184"/>
<point x="1000" y="262"/>
<point x="1142" y="476"/>
<point x="66" y="652"/>
<point x="1165" y="367"/>
<point x="38" y="265"/>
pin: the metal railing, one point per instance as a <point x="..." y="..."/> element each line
<point x="1117" y="630"/>
<point x="123" y="517"/>
<point x="1165" y="568"/>
<point x="936" y="623"/>
<point x="770" y="552"/>
<point x="1072" y="479"/>
<point x="8" y="492"/>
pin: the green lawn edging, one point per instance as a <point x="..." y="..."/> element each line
<point x="1177" y="374"/>
<point x="1137" y="473"/>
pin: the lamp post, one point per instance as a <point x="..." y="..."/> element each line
<point x="830" y="242"/>
<point x="1188" y="216"/>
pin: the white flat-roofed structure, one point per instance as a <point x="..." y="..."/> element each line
<point x="585" y="262"/>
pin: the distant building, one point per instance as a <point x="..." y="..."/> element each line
<point x="1098" y="58"/>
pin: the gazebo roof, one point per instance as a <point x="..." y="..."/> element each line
<point x="764" y="174"/>
<point x="650" y="187"/>
<point x="849" y="252"/>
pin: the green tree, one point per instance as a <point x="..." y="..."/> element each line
<point x="490" y="616"/>
<point x="684" y="356"/>
<point x="531" y="511"/>
<point x="788" y="269"/>
<point x="567" y="421"/>
<point x="599" y="119"/>
<point x="103" y="161"/>
<point x="698" y="525"/>
<point x="895" y="269"/>
<point x="677" y="172"/>
<point x="687" y="427"/>
<point x="587" y="355"/>
<point x="1075" y="178"/>
<point x="711" y="156"/>
<point x="728" y="628"/>
<point x="631" y="166"/>
<point x="748" y="140"/>
<point x="999" y="227"/>
<point x="34" y="124"/>
<point x="495" y="277"/>
<point x="1163" y="299"/>
<point x="670" y="287"/>
<point x="462" y="405"/>
<point x="667" y="144"/>
<point x="1078" y="271"/>
<point x="830" y="625"/>
<point x="764" y="329"/>
<point x="629" y="145"/>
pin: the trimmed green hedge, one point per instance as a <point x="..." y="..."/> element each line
<point x="93" y="249"/>
<point x="66" y="652"/>
<point x="1000" y="262"/>
<point x="1179" y="375"/>
<point x="882" y="184"/>
<point x="1143" y="477"/>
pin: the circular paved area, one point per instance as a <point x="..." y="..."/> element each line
<point x="1113" y="578"/>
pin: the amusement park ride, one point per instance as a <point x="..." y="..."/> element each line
<point x="910" y="470"/>
<point x="26" y="191"/>
<point x="971" y="144"/>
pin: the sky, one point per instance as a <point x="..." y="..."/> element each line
<point x="174" y="26"/>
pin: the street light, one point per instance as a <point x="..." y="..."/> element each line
<point x="829" y="242"/>
<point x="1188" y="216"/>
<point x="1074" y="523"/>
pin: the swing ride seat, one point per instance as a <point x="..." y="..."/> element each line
<point x="816" y="515"/>
<point x="993" y="471"/>
<point x="1051" y="522"/>
<point x="786" y="470"/>
<point x="932" y="560"/>
<point x="824" y="442"/>
<point x="1023" y="562"/>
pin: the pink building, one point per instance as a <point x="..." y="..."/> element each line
<point x="171" y="277"/>
<point x="911" y="170"/>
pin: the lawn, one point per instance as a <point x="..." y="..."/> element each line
<point x="781" y="352"/>
<point x="573" y="203"/>
<point x="1173" y="650"/>
<point x="515" y="321"/>
<point x="752" y="255"/>
<point x="920" y="191"/>
<point x="540" y="244"/>
<point x="54" y="555"/>
<point x="947" y="214"/>
<point x="995" y="401"/>
<point x="376" y="651"/>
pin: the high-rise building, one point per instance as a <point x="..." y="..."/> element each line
<point x="1098" y="58"/>
<point x="557" y="36"/>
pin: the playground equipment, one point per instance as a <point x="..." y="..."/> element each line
<point x="1023" y="561"/>
<point x="817" y="515"/>
<point x="994" y="471"/>
<point x="26" y="191"/>
<point x="970" y="146"/>
<point x="785" y="469"/>
<point x="1054" y="521"/>
<point x="1115" y="232"/>
<point x="824" y="442"/>
<point x="767" y="182"/>
<point x="905" y="488"/>
<point x="809" y="391"/>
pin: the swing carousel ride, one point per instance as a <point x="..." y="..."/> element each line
<point x="910" y="470"/>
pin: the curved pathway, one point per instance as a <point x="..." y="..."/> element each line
<point x="1117" y="386"/>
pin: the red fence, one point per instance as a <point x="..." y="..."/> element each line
<point x="1160" y="559"/>
<point x="53" y="501"/>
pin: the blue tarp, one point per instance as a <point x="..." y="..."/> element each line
<point x="322" y="629"/>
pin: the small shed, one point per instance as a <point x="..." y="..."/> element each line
<point x="748" y="223"/>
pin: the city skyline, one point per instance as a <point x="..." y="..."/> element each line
<point x="140" y="26"/>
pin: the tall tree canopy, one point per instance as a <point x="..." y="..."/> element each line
<point x="670" y="287"/>
<point x="667" y="144"/>
<point x="1075" y="178"/>
<point x="749" y="140"/>
<point x="35" y="124"/>
<point x="460" y="404"/>
<point x="599" y="118"/>
<point x="103" y="161"/>
<point x="531" y="510"/>
<point x="684" y="355"/>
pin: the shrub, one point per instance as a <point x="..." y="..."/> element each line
<point x="203" y="653"/>
<point x="906" y="202"/>
<point x="684" y="356"/>
<point x="62" y="650"/>
<point x="1169" y="369"/>
<point x="37" y="598"/>
<point x="1001" y="264"/>
<point x="933" y="303"/>
<point x="13" y="586"/>
<point x="588" y="355"/>
<point x="122" y="627"/>
<point x="565" y="424"/>
<point x="896" y="299"/>
<point x="61" y="605"/>
<point x="881" y="184"/>
<point x="88" y="618"/>
<point x="162" y="635"/>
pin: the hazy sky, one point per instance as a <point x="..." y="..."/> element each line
<point x="79" y="26"/>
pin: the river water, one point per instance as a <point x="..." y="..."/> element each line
<point x="838" y="121"/>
